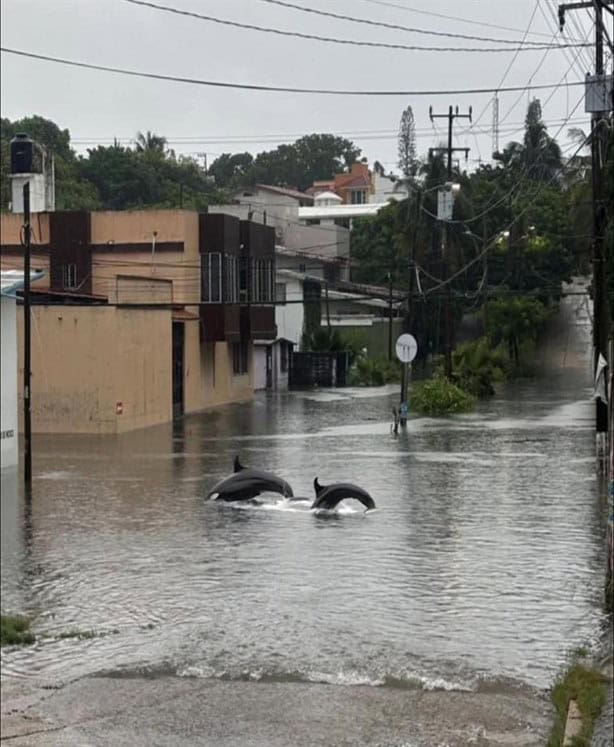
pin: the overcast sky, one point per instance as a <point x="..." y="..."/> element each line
<point x="98" y="106"/>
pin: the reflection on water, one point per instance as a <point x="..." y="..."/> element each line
<point x="483" y="560"/>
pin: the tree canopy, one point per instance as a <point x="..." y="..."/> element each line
<point x="112" y="177"/>
<point x="297" y="165"/>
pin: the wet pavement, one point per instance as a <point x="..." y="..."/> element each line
<point x="441" y="618"/>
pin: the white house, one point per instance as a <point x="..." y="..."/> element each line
<point x="272" y="359"/>
<point x="10" y="282"/>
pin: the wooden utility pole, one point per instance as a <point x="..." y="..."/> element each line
<point x="600" y="111"/>
<point x="451" y="116"/>
<point x="27" y="348"/>
<point x="390" y="316"/>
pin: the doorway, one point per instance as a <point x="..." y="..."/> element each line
<point x="178" y="353"/>
<point x="269" y="366"/>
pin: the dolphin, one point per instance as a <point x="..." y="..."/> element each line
<point x="246" y="483"/>
<point x="328" y="496"/>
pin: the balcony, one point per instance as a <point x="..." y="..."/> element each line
<point x="258" y="323"/>
<point x="220" y="322"/>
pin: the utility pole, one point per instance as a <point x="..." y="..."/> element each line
<point x="600" y="108"/>
<point x="390" y="316"/>
<point x="451" y="116"/>
<point x="27" y="364"/>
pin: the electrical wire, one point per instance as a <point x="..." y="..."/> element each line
<point x="275" y="89"/>
<point x="394" y="26"/>
<point x="328" y="39"/>
<point x="458" y="19"/>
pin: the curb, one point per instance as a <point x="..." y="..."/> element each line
<point x="573" y="725"/>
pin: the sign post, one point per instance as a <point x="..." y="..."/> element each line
<point x="406" y="349"/>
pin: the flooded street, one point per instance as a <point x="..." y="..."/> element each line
<point x="480" y="570"/>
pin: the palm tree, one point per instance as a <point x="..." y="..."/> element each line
<point x="149" y="142"/>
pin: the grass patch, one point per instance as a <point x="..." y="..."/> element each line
<point x="15" y="631"/>
<point x="588" y="688"/>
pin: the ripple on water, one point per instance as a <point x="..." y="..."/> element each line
<point x="460" y="578"/>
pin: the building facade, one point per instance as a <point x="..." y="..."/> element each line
<point x="142" y="315"/>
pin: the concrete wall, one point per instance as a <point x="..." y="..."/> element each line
<point x="137" y="226"/>
<point x="11" y="223"/>
<point x="9" y="450"/>
<point x="10" y="234"/>
<point x="99" y="369"/>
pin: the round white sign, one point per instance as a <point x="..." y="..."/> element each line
<point x="406" y="348"/>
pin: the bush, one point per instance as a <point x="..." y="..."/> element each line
<point x="15" y="630"/>
<point x="477" y="366"/>
<point x="374" y="371"/>
<point x="439" y="396"/>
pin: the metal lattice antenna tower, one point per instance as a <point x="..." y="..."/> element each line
<point x="495" y="124"/>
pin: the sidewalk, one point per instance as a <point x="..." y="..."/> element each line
<point x="182" y="712"/>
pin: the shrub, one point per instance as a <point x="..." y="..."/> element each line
<point x="439" y="396"/>
<point x="477" y="366"/>
<point x="374" y="371"/>
<point x="15" y="630"/>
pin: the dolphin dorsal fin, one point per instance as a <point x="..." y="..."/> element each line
<point x="317" y="487"/>
<point x="237" y="464"/>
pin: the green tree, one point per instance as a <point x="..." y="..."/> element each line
<point x="408" y="161"/>
<point x="312" y="157"/>
<point x="514" y="321"/>
<point x="232" y="170"/>
<point x="150" y="142"/>
<point x="539" y="155"/>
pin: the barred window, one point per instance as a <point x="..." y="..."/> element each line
<point x="69" y="276"/>
<point x="231" y="279"/>
<point x="212" y="278"/>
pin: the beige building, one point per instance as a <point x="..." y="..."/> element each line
<point x="141" y="315"/>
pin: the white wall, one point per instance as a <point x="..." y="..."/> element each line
<point x="384" y="189"/>
<point x="8" y="382"/>
<point x="259" y="360"/>
<point x="289" y="318"/>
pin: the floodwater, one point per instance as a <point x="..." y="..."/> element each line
<point x="481" y="568"/>
<point x="482" y="565"/>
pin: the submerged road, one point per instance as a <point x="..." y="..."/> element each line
<point x="441" y="618"/>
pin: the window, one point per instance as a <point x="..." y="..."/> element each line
<point x="231" y="279"/>
<point x="69" y="276"/>
<point x="244" y="278"/>
<point x="212" y="278"/>
<point x="357" y="197"/>
<point x="280" y="292"/>
<point x="263" y="280"/>
<point x="302" y="267"/>
<point x="239" y="358"/>
<point x="283" y="362"/>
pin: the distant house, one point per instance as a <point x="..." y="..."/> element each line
<point x="360" y="186"/>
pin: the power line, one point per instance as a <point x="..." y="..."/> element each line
<point x="327" y="39"/>
<point x="274" y="89"/>
<point x="512" y="127"/>
<point x="459" y="19"/>
<point x="394" y="26"/>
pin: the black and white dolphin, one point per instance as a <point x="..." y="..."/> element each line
<point x="246" y="483"/>
<point x="328" y="496"/>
